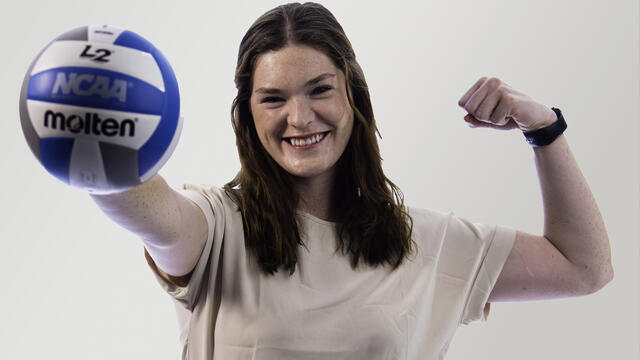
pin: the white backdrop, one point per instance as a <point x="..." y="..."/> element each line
<point x="76" y="286"/>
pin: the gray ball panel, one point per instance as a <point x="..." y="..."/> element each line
<point x="27" y="127"/>
<point x="120" y="165"/>
<point x="79" y="34"/>
<point x="82" y="34"/>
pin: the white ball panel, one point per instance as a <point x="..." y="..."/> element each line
<point x="144" y="124"/>
<point x="103" y="33"/>
<point x="165" y="157"/>
<point x="124" y="60"/>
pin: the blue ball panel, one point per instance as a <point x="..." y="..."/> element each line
<point x="155" y="147"/>
<point x="55" y="155"/>
<point x="134" y="41"/>
<point x="140" y="96"/>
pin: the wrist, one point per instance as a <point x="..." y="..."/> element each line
<point x="549" y="119"/>
<point x="546" y="135"/>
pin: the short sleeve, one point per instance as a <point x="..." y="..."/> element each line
<point x="208" y="200"/>
<point x="497" y="242"/>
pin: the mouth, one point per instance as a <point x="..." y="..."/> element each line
<point x="305" y="142"/>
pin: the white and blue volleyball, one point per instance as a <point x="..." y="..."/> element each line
<point x="100" y="109"/>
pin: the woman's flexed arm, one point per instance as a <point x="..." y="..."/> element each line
<point x="573" y="256"/>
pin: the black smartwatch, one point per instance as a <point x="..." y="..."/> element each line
<point x="546" y="135"/>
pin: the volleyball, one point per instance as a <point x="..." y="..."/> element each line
<point x="100" y="109"/>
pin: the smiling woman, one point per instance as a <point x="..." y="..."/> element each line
<point x="298" y="79"/>
<point x="309" y="252"/>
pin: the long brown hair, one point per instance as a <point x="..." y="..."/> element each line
<point x="373" y="223"/>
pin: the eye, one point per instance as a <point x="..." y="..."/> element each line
<point x="271" y="99"/>
<point x="321" y="90"/>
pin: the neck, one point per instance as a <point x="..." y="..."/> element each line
<point x="316" y="194"/>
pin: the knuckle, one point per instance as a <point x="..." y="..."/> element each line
<point x="507" y="99"/>
<point x="483" y="115"/>
<point x="494" y="82"/>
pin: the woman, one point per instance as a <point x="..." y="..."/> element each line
<point x="310" y="253"/>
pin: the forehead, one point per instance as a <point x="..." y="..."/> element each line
<point x="291" y="65"/>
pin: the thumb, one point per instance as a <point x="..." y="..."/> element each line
<point x="475" y="123"/>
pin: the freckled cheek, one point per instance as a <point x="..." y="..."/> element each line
<point x="268" y="128"/>
<point x="346" y="112"/>
<point x="346" y="118"/>
<point x="262" y="131"/>
<point x="334" y="112"/>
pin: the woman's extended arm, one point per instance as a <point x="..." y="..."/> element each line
<point x="573" y="257"/>
<point x="172" y="227"/>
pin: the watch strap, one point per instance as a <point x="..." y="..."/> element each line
<point x="546" y="135"/>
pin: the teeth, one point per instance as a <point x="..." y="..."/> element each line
<point x="306" y="141"/>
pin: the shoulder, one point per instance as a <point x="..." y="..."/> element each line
<point x="450" y="223"/>
<point x="217" y="199"/>
<point x="440" y="231"/>
<point x="427" y="217"/>
<point x="432" y="224"/>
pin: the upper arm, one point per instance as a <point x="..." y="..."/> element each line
<point x="536" y="269"/>
<point x="177" y="253"/>
<point x="177" y="280"/>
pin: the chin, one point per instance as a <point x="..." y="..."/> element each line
<point x="307" y="172"/>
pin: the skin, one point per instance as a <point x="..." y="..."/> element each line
<point x="298" y="92"/>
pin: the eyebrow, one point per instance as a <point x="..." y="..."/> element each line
<point x="315" y="80"/>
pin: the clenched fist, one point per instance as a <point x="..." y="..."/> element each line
<point x="490" y="102"/>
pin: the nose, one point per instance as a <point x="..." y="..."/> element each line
<point x="300" y="114"/>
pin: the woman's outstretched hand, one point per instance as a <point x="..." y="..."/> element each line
<point x="490" y="102"/>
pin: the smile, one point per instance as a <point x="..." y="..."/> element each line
<point x="306" y="141"/>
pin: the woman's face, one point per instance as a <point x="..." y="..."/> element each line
<point x="300" y="110"/>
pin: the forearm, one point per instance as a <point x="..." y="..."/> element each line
<point x="148" y="210"/>
<point x="572" y="220"/>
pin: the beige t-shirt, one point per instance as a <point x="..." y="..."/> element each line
<point x="326" y="310"/>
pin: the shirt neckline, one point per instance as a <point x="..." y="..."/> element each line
<point x="316" y="219"/>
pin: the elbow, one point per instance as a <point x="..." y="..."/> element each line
<point x="599" y="279"/>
